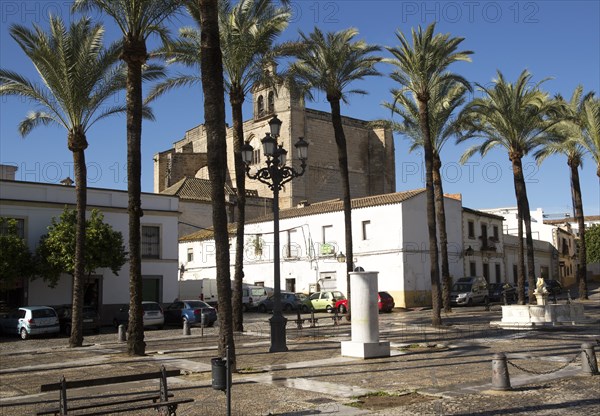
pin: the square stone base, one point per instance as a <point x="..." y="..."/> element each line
<point x="366" y="349"/>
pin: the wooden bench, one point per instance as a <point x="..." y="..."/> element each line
<point x="158" y="400"/>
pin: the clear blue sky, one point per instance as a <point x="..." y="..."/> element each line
<point x="557" y="39"/>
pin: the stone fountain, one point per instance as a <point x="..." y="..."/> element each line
<point x="541" y="315"/>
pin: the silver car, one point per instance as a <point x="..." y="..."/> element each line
<point x="469" y="291"/>
<point x="30" y="320"/>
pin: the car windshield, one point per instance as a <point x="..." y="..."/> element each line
<point x="495" y="286"/>
<point x="461" y="287"/>
<point x="384" y="295"/>
<point x="198" y="304"/>
<point x="338" y="296"/>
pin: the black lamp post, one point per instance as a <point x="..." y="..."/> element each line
<point x="275" y="175"/>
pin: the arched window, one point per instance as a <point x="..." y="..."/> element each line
<point x="271" y="102"/>
<point x="260" y="106"/>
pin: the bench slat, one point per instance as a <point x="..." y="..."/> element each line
<point x="140" y="398"/>
<point x="108" y="380"/>
<point x="137" y="407"/>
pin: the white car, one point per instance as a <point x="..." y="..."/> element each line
<point x="153" y="315"/>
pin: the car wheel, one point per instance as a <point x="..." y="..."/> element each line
<point x="287" y="307"/>
<point x="470" y="302"/>
<point x="329" y="308"/>
<point x="24" y="334"/>
<point x="262" y="308"/>
<point x="68" y="330"/>
<point x="486" y="300"/>
<point x="244" y="307"/>
<point x="305" y="309"/>
<point x="342" y="309"/>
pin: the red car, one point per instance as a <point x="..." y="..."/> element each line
<point x="385" y="301"/>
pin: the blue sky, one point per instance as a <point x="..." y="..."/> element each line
<point x="557" y="39"/>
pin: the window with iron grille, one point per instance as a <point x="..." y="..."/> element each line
<point x="20" y="227"/>
<point x="150" y="242"/>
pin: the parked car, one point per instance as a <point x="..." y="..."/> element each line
<point x="30" y="320"/>
<point x="496" y="292"/>
<point x="153" y="315"/>
<point x="289" y="302"/>
<point x="385" y="303"/>
<point x="252" y="296"/>
<point x="91" y="319"/>
<point x="320" y="301"/>
<point x="191" y="311"/>
<point x="469" y="290"/>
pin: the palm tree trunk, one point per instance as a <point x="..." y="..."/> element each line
<point x="340" y="140"/>
<point x="134" y="54"/>
<point x="77" y="144"/>
<point x="211" y="67"/>
<point x="236" y="99"/>
<point x="436" y="297"/>
<point x="441" y="222"/>
<point x="578" y="208"/>
<point x="524" y="216"/>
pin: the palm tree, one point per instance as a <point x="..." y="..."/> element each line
<point x="137" y="20"/>
<point x="211" y="67"/>
<point x="515" y="117"/>
<point x="78" y="77"/>
<point x="445" y="99"/>
<point x="247" y="33"/>
<point x="419" y="68"/>
<point x="569" y="136"/>
<point x="591" y="130"/>
<point x="330" y="62"/>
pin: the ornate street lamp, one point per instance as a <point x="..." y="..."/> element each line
<point x="275" y="175"/>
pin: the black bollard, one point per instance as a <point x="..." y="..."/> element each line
<point x="298" y="319"/>
<point x="500" y="377"/>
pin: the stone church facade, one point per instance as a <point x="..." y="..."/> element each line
<point x="370" y="152"/>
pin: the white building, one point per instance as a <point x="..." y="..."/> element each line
<point x="484" y="242"/>
<point x="563" y="263"/>
<point x="34" y="205"/>
<point x="390" y="237"/>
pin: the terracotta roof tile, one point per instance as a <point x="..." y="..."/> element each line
<point x="338" y="205"/>
<point x="193" y="189"/>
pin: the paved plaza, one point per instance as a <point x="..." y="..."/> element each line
<point x="432" y="371"/>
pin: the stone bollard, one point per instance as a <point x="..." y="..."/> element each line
<point x="500" y="377"/>
<point x="186" y="327"/>
<point x="122" y="334"/>
<point x="589" y="365"/>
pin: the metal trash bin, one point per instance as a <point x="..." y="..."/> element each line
<point x="219" y="371"/>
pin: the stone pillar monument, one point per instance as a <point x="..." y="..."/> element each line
<point x="365" y="319"/>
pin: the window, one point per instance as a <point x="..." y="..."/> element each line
<point x="19" y="223"/>
<point x="256" y="156"/>
<point x="498" y="270"/>
<point x="471" y="227"/>
<point x="291" y="248"/>
<point x="472" y="269"/>
<point x="327" y="247"/>
<point x="190" y="254"/>
<point x="271" y="102"/>
<point x="484" y="233"/>
<point x="260" y="106"/>
<point x="366" y="230"/>
<point x="486" y="271"/>
<point x="496" y="235"/>
<point x="515" y="273"/>
<point x="150" y="242"/>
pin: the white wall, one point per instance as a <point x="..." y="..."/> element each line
<point x="393" y="232"/>
<point x="38" y="203"/>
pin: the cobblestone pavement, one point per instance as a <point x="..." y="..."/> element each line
<point x="450" y="367"/>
